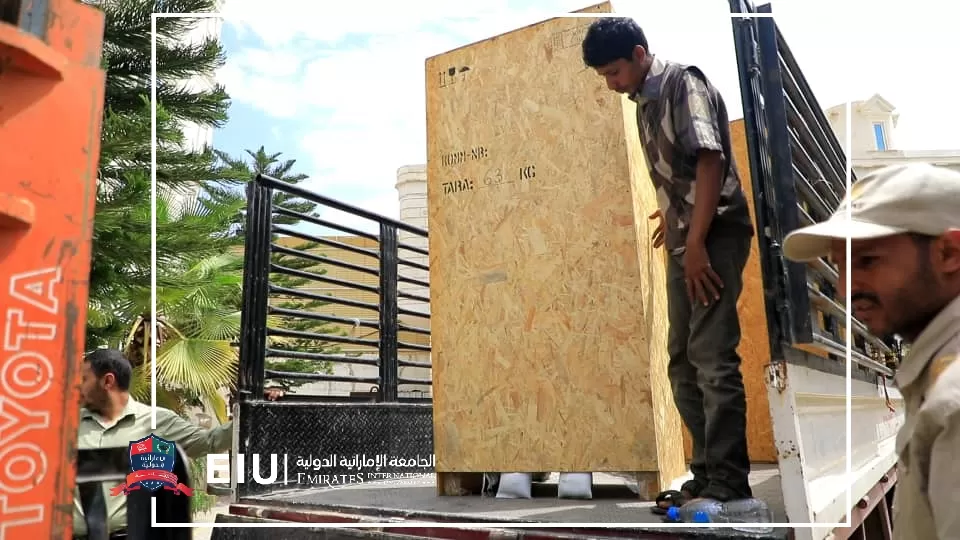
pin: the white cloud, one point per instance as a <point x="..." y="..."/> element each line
<point x="352" y="74"/>
<point x="280" y="22"/>
<point x="355" y="84"/>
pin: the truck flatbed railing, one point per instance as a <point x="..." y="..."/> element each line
<point x="799" y="171"/>
<point x="342" y="317"/>
<point x="834" y="435"/>
<point x="381" y="261"/>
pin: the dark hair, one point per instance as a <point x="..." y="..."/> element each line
<point x="609" y="39"/>
<point x="103" y="361"/>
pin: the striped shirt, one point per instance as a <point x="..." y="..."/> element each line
<point x="679" y="113"/>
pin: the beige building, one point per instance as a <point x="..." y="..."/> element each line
<point x="873" y="136"/>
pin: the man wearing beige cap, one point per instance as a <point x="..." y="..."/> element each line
<point x="904" y="265"/>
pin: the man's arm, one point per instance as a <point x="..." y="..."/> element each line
<point x="697" y="127"/>
<point x="707" y="195"/>
<point x="194" y="440"/>
<point x="944" y="477"/>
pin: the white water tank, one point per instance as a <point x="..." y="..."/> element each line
<point x="412" y="191"/>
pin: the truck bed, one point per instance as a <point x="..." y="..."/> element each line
<point x="416" y="500"/>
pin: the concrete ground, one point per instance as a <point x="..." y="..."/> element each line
<point x="420" y="495"/>
<point x="612" y="501"/>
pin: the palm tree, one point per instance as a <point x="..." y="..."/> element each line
<point x="120" y="267"/>
<point x="193" y="356"/>
<point x="198" y="319"/>
<point x="198" y="307"/>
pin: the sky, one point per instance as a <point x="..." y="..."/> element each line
<point x="339" y="86"/>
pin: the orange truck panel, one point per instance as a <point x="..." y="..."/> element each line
<point x="51" y="103"/>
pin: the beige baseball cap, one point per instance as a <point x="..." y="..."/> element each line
<point x="915" y="198"/>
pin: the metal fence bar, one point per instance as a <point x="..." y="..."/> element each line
<point x="799" y="329"/>
<point x="755" y="124"/>
<point x="300" y="334"/>
<point x="323" y="279"/>
<point x="389" y="316"/>
<point x="278" y="229"/>
<point x="324" y="260"/>
<point x="366" y="323"/>
<point x="253" y="317"/>
<point x="322" y="298"/>
<point x="321" y="377"/>
<point x="412" y="329"/>
<point x="836" y="154"/>
<point x="322" y="222"/>
<point x="412" y="296"/>
<point x="414" y="249"/>
<point x="337" y="205"/>
<point x="277" y="330"/>
<point x="321" y="357"/>
<point x="410" y="363"/>
<point x="413" y="281"/>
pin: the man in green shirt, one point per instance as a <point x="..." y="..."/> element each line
<point x="110" y="418"/>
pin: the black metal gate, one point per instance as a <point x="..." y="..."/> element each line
<point x="322" y="441"/>
<point x="798" y="170"/>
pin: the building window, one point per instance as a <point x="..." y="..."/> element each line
<point x="879" y="135"/>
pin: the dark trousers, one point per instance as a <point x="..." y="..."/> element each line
<point x="704" y="370"/>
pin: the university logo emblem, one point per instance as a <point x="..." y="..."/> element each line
<point x="151" y="467"/>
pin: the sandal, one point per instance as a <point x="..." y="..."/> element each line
<point x="688" y="491"/>
<point x="672" y="497"/>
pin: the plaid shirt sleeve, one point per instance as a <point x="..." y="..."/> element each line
<point x="695" y="117"/>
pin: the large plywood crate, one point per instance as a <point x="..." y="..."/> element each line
<point x="548" y="301"/>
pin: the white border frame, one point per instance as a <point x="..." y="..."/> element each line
<point x="482" y="525"/>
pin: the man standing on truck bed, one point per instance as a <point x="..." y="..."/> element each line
<point x="705" y="223"/>
<point x="905" y="279"/>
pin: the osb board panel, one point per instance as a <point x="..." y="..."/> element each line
<point x="754" y="342"/>
<point x="546" y="298"/>
<point x="653" y="262"/>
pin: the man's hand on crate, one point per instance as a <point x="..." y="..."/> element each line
<point x="658" y="234"/>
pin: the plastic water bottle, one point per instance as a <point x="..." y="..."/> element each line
<point x="738" y="511"/>
<point x="748" y="511"/>
<point x="705" y="511"/>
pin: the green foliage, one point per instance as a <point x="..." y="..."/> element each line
<point x="200" y="501"/>
<point x="121" y="265"/>
<point x="198" y="276"/>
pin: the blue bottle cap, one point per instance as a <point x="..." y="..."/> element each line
<point x="701" y="517"/>
<point x="673" y="513"/>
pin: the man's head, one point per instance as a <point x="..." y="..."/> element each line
<point x="617" y="49"/>
<point x="905" y="246"/>
<point x="105" y="375"/>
